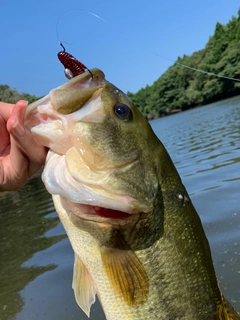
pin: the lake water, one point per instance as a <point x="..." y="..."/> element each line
<point x="36" y="258"/>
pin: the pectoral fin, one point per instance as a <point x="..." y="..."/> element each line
<point x="83" y="286"/>
<point x="125" y="273"/>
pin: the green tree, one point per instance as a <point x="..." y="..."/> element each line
<point x="12" y="95"/>
<point x="183" y="88"/>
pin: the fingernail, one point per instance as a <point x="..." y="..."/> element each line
<point x="18" y="129"/>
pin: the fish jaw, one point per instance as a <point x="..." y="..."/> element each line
<point x="58" y="180"/>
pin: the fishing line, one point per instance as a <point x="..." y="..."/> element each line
<point x="143" y="48"/>
<point x="95" y="16"/>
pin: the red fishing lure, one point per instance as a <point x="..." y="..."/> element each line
<point x="72" y="66"/>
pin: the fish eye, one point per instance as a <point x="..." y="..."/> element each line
<point x="122" y="111"/>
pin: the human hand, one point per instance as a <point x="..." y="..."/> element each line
<point x="21" y="155"/>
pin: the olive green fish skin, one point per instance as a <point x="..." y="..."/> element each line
<point x="162" y="251"/>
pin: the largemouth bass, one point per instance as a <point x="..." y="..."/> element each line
<point x="138" y="241"/>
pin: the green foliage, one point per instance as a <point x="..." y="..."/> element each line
<point x="181" y="88"/>
<point x="12" y="95"/>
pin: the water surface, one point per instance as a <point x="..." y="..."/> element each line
<point x="36" y="257"/>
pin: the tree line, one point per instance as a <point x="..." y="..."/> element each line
<point x="12" y="95"/>
<point x="181" y="88"/>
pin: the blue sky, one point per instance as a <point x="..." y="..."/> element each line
<point x="29" y="44"/>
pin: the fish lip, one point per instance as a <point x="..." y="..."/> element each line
<point x="78" y="212"/>
<point x="78" y="82"/>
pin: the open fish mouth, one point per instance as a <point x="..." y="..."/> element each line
<point x="81" y="211"/>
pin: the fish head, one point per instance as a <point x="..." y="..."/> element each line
<point x="101" y="147"/>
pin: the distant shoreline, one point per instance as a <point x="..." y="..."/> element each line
<point x="174" y="111"/>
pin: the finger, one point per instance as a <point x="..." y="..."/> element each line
<point x="17" y="167"/>
<point x="19" y="110"/>
<point x="6" y="110"/>
<point x="24" y="145"/>
<point x="4" y="138"/>
<point x="15" y="123"/>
